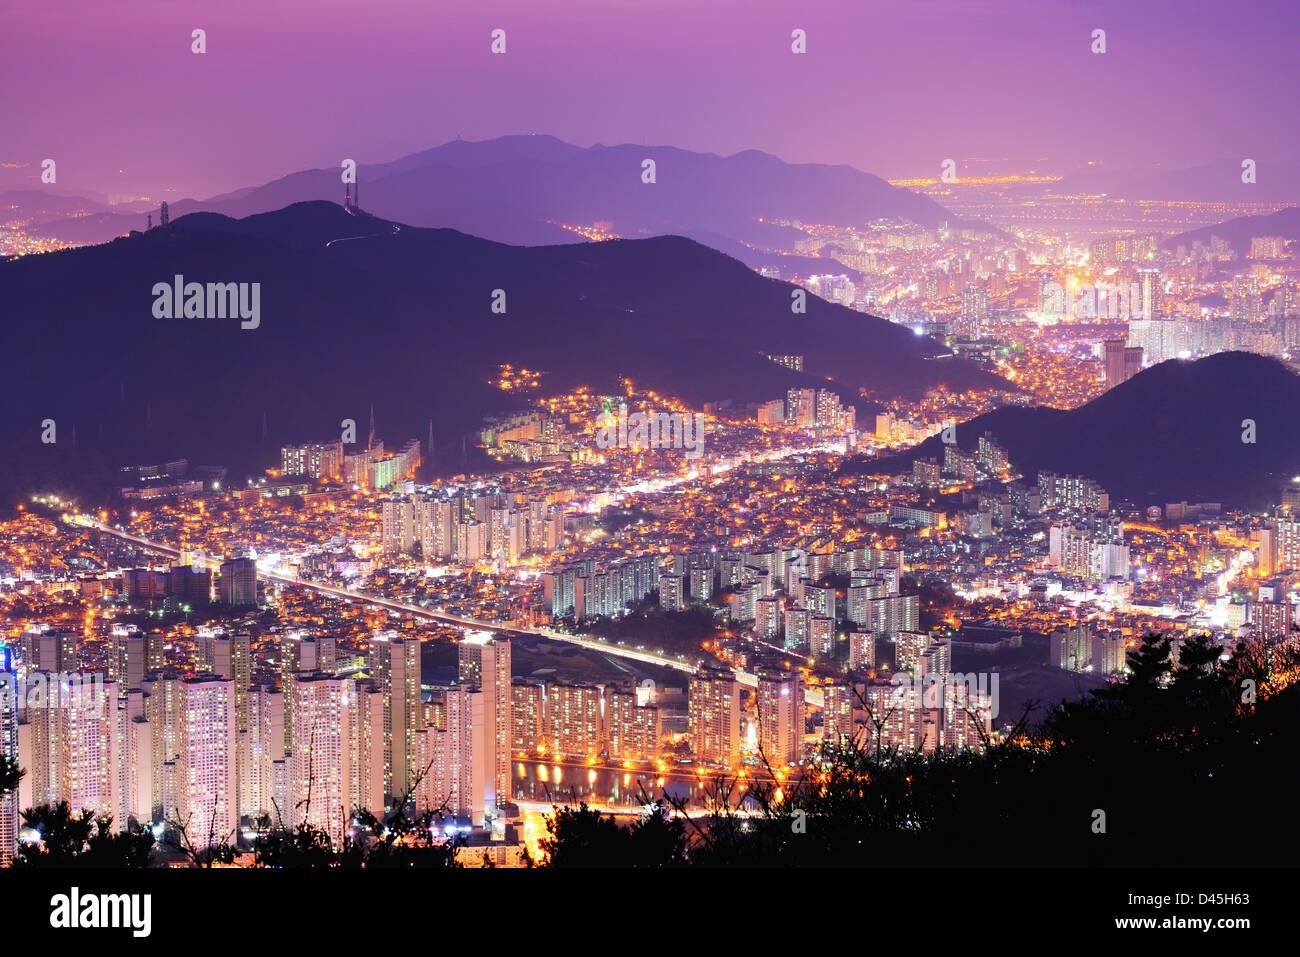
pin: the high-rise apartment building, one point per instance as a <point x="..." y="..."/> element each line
<point x="208" y="797"/>
<point x="527" y="715"/>
<point x="714" y="717"/>
<point x="238" y="582"/>
<point x="575" y="724"/>
<point x="485" y="664"/>
<point x="781" y="718"/>
<point x="394" y="665"/>
<point x="321" y="768"/>
<point x="632" y="731"/>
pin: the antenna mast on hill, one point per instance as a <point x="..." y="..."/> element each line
<point x="352" y="193"/>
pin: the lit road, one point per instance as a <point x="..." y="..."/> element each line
<point x="625" y="810"/>
<point x="746" y="679"/>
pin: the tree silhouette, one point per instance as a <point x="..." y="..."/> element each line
<point x="80" y="839"/>
<point x="10" y="775"/>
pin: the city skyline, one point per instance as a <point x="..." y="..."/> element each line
<point x="650" y="436"/>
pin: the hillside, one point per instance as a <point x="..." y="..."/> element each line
<point x="1171" y="433"/>
<point x="357" y="310"/>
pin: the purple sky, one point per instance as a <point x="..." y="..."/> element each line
<point x="113" y="93"/>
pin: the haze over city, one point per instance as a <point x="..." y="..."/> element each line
<point x="888" y="88"/>
<point x="652" y="435"/>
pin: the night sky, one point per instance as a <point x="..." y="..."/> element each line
<point x="113" y="93"/>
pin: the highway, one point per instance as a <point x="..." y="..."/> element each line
<point x="746" y="679"/>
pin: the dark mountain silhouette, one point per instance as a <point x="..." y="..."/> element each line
<point x="1239" y="232"/>
<point x="356" y="309"/>
<point x="1171" y="433"/>
<point x="520" y="189"/>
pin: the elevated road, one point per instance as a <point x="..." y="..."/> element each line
<point x="746" y="679"/>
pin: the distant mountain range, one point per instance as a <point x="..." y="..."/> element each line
<point x="1239" y="232"/>
<point x="356" y="310"/>
<point x="1219" y="182"/>
<point x="525" y="190"/>
<point x="1171" y="433"/>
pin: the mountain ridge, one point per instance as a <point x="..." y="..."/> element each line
<point x="1171" y="433"/>
<point x="357" y="310"/>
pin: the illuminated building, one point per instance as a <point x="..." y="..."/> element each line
<point x="8" y="749"/>
<point x="574" y="719"/>
<point x="485" y="664"/>
<point x="632" y="731"/>
<point x="967" y="716"/>
<point x="74" y="744"/>
<point x="367" y="747"/>
<point x="299" y="655"/>
<point x="1122" y="361"/>
<point x="844" y="720"/>
<point x="1093" y="553"/>
<point x="163" y="709"/>
<point x="137" y="775"/>
<point x="232" y="659"/>
<point x="436" y="525"/>
<point x="959" y="464"/>
<point x="1069" y="648"/>
<point x="1272" y="620"/>
<point x="801" y="407"/>
<point x="896" y="716"/>
<point x="781" y="718"/>
<point x="319" y="460"/>
<point x="893" y="613"/>
<point x="399" y="531"/>
<point x="471" y="542"/>
<point x="1286" y="543"/>
<point x="991" y="455"/>
<point x="819" y="600"/>
<point x="1070" y="491"/>
<point x="797" y="629"/>
<point x="262" y="750"/>
<point x="701" y="581"/>
<point x="771" y="413"/>
<point x="394" y="664"/>
<point x="767" y="616"/>
<point x="459" y="777"/>
<point x="714" y="717"/>
<point x="821" y="636"/>
<point x="559" y="591"/>
<point x="321" y="768"/>
<point x="935" y="660"/>
<point x="925" y="473"/>
<point x="527" y="714"/>
<point x="862" y="650"/>
<point x="909" y="646"/>
<point x="742" y="604"/>
<point x="207" y="798"/>
<point x="1107" y="653"/>
<point x="672" y="592"/>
